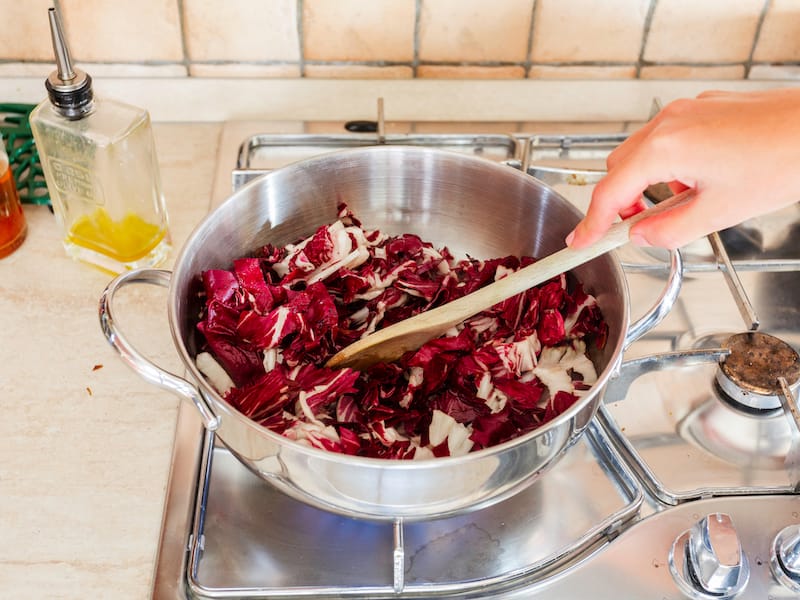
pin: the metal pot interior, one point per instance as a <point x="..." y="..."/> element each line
<point x="472" y="206"/>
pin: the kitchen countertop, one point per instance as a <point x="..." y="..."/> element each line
<point x="86" y="443"/>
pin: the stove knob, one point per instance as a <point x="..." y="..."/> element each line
<point x="707" y="561"/>
<point x="785" y="560"/>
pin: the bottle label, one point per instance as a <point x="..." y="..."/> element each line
<point x="70" y="178"/>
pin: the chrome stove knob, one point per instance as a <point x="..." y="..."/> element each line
<point x="785" y="559"/>
<point x="707" y="561"/>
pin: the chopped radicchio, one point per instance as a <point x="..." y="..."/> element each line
<point x="271" y="321"/>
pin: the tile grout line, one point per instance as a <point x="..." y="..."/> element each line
<point x="415" y="49"/>
<point x="648" y="21"/>
<point x="527" y="64"/>
<point x="390" y="63"/>
<point x="748" y="65"/>
<point x="529" y="49"/>
<point x="300" y="39"/>
<point x="401" y="63"/>
<point x="184" y="47"/>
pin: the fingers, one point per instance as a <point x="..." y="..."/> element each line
<point x="677" y="187"/>
<point x="650" y="155"/>
<point x="633" y="209"/>
<point x="599" y="217"/>
<point x="738" y="150"/>
<point x="606" y="202"/>
<point x="683" y="224"/>
<point x="618" y="193"/>
<point x="632" y="166"/>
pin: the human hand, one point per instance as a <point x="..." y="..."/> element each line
<point x="739" y="152"/>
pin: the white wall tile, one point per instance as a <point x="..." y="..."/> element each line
<point x="25" y="30"/>
<point x="585" y="30"/>
<point x="774" y="72"/>
<point x="244" y="70"/>
<point x="141" y="31"/>
<point x="466" y="39"/>
<point x="359" y="72"/>
<point x="582" y="72"/>
<point x="692" y="72"/>
<point x="133" y="70"/>
<point x="244" y="30"/>
<point x="358" y="30"/>
<point x="779" y="39"/>
<point x="474" y="30"/>
<point x="702" y="32"/>
<point x="470" y="72"/>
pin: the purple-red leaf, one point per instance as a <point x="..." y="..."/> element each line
<point x="274" y="319"/>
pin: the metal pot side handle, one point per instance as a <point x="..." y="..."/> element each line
<point x="662" y="306"/>
<point x="149" y="371"/>
<point x="631" y="370"/>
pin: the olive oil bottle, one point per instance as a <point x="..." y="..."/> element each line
<point x="101" y="169"/>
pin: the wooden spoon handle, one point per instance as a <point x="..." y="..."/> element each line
<point x="543" y="269"/>
<point x="392" y="342"/>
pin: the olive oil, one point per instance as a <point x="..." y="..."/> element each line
<point x="127" y="240"/>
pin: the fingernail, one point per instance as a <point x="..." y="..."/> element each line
<point x="637" y="239"/>
<point x="570" y="237"/>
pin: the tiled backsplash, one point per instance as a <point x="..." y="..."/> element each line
<point x="476" y="39"/>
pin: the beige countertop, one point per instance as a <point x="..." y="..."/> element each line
<point x="86" y="443"/>
<point x="217" y="100"/>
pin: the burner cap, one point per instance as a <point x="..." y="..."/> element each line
<point x="749" y="375"/>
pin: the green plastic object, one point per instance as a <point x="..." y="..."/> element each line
<point x="22" y="153"/>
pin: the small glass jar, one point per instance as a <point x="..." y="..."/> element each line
<point x="13" y="226"/>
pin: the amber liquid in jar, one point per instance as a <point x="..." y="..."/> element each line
<point x="12" y="220"/>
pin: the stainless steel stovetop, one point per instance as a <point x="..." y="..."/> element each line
<point x="672" y="491"/>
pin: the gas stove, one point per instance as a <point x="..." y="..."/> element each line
<point x="685" y="485"/>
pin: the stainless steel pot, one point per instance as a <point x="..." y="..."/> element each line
<point x="467" y="203"/>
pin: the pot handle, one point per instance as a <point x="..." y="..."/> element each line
<point x="148" y="370"/>
<point x="663" y="305"/>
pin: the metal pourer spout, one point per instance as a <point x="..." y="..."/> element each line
<point x="69" y="88"/>
<point x="63" y="62"/>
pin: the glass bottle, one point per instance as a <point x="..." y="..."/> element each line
<point x="101" y="169"/>
<point x="13" y="226"/>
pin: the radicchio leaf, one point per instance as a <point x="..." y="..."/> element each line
<point x="499" y="375"/>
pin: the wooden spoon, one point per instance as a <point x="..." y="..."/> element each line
<point x="389" y="344"/>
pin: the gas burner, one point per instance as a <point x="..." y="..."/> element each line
<point x="749" y="375"/>
<point x="688" y="438"/>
